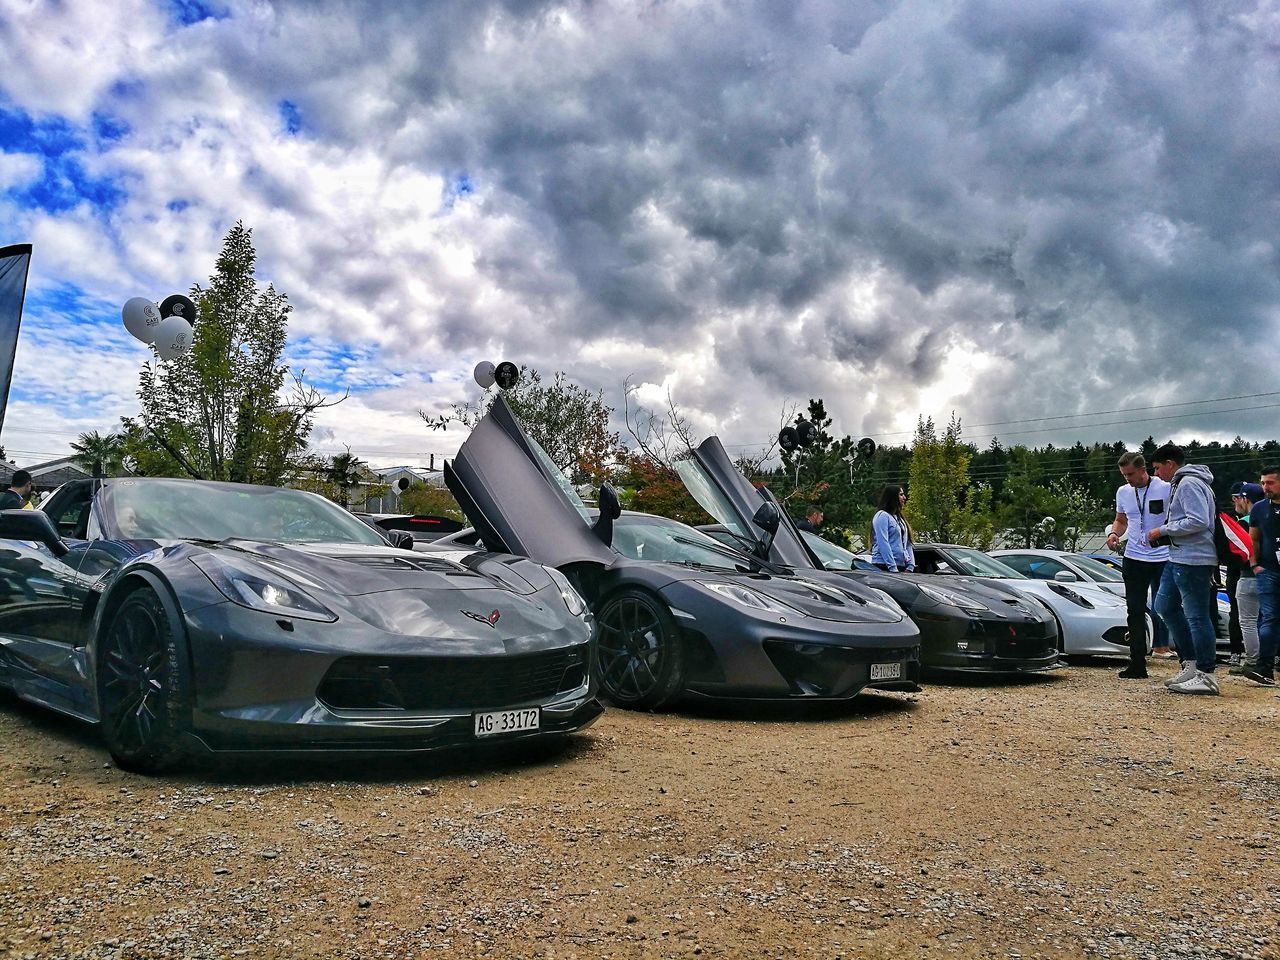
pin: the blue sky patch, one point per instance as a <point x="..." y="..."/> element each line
<point x="457" y="188"/>
<point x="187" y="12"/>
<point x="109" y="129"/>
<point x="177" y="206"/>
<point x="63" y="183"/>
<point x="290" y="116"/>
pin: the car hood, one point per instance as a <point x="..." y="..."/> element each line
<point x="444" y="595"/>
<point x="1049" y="590"/>
<point x="515" y="507"/>
<point x="903" y="586"/>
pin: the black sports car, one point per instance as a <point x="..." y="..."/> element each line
<point x="187" y="615"/>
<point x="676" y="611"/>
<point x="966" y="625"/>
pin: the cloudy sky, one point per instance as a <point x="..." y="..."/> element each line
<point x="1014" y="209"/>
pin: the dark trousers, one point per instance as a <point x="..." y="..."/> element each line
<point x="1141" y="583"/>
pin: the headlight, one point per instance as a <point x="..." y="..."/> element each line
<point x="572" y="599"/>
<point x="885" y="597"/>
<point x="748" y="597"/>
<point x="953" y="599"/>
<point x="1069" y="594"/>
<point x="244" y="584"/>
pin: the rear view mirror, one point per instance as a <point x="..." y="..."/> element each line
<point x="1065" y="576"/>
<point x="33" y="525"/>
<point x="610" y="510"/>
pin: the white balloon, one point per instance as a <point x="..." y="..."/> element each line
<point x="141" y="318"/>
<point x="484" y="374"/>
<point x="173" y="338"/>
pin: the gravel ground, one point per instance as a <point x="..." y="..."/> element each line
<point x="1064" y="816"/>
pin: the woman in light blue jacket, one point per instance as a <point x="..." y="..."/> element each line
<point x="890" y="535"/>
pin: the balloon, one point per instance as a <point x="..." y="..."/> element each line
<point x="484" y="374"/>
<point x="787" y="438"/>
<point x="806" y="432"/>
<point x="506" y="374"/>
<point x="141" y="318"/>
<point x="866" y="448"/>
<point x="178" y="306"/>
<point x="173" y="338"/>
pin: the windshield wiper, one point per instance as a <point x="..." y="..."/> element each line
<point x="724" y="551"/>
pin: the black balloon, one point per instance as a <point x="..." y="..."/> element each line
<point x="506" y="374"/>
<point x="866" y="448"/>
<point x="806" y="433"/>
<point x="787" y="438"/>
<point x="178" y="306"/>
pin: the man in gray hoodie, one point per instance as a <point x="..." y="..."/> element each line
<point x="1185" y="589"/>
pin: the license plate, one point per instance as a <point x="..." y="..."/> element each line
<point x="507" y="721"/>
<point x="886" y="671"/>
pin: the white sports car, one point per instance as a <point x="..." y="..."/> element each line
<point x="1053" y="564"/>
<point x="1091" y="621"/>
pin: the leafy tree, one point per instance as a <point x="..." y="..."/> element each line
<point x="222" y="411"/>
<point x="939" y="479"/>
<point x="1028" y="498"/>
<point x="650" y="486"/>
<point x="345" y="471"/>
<point x="570" y="422"/>
<point x="433" y="501"/>
<point x="95" y="448"/>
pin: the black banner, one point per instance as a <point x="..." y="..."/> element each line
<point x="14" y="261"/>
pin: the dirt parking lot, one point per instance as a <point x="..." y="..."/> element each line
<point x="1064" y="816"/>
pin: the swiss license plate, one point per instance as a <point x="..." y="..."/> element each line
<point x="886" y="671"/>
<point x="507" y="721"/>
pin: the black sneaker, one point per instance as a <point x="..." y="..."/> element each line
<point x="1133" y="672"/>
<point x="1257" y="676"/>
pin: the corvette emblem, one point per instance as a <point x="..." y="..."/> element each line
<point x="492" y="619"/>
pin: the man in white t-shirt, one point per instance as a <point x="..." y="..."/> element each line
<point x="1140" y="507"/>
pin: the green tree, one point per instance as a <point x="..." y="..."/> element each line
<point x="1028" y="498"/>
<point x="570" y="422"/>
<point x="95" y="448"/>
<point x="939" y="482"/>
<point x="345" y="471"/>
<point x="223" y="411"/>
<point x="432" y="501"/>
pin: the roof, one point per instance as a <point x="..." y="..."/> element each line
<point x="49" y="474"/>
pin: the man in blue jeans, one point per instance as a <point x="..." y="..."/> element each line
<point x="1184" y="597"/>
<point x="1264" y="530"/>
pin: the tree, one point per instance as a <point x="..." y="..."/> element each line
<point x="650" y="486"/>
<point x="222" y="411"/>
<point x="345" y="471"/>
<point x="938" y="481"/>
<point x="570" y="422"/>
<point x="94" y="448"/>
<point x="432" y="501"/>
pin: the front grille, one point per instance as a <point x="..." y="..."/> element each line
<point x="812" y="669"/>
<point x="452" y="683"/>
<point x="1015" y="640"/>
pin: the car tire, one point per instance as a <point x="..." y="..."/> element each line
<point x="144" y="703"/>
<point x="640" y="658"/>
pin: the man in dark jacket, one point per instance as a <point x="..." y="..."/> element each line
<point x="15" y="498"/>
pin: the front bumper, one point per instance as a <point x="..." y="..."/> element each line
<point x="258" y="686"/>
<point x="977" y="645"/>
<point x="744" y="656"/>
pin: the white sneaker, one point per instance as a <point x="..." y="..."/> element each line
<point x="1202" y="684"/>
<point x="1188" y="671"/>
<point x="1234" y="660"/>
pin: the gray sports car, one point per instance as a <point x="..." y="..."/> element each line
<point x="184" y="615"/>
<point x="677" y="611"/>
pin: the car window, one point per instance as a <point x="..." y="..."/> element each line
<point x="156" y="509"/>
<point x="975" y="563"/>
<point x="659" y="540"/>
<point x="707" y="493"/>
<point x="832" y="556"/>
<point x="1038" y="568"/>
<point x="557" y="476"/>
<point x="1096" y="570"/>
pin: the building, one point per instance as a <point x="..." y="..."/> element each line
<point x="46" y="476"/>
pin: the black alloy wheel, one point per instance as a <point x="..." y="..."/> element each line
<point x="142" y="698"/>
<point x="639" y="656"/>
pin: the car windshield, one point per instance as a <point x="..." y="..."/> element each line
<point x="660" y="540"/>
<point x="709" y="497"/>
<point x="977" y="564"/>
<point x="191" y="510"/>
<point x="832" y="556"/>
<point x="1096" y="570"/>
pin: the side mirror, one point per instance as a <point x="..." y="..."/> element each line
<point x="767" y="518"/>
<point x="33" y="525"/>
<point x="401" y="539"/>
<point x="610" y="510"/>
<point x="1065" y="576"/>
